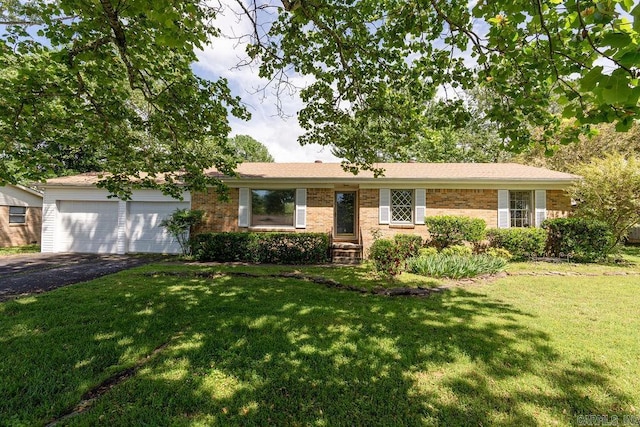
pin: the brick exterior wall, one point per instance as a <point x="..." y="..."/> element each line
<point x="558" y="204"/>
<point x="219" y="216"/>
<point x="319" y="210"/>
<point x="474" y="203"/>
<point x="20" y="234"/>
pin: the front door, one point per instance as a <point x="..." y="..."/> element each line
<point x="345" y="214"/>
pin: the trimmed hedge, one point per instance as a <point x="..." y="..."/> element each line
<point x="522" y="243"/>
<point x="268" y="248"/>
<point x="447" y="230"/>
<point x="581" y="239"/>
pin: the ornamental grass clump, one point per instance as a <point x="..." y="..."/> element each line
<point x="455" y="266"/>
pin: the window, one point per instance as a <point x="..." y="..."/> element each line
<point x="402" y="206"/>
<point x="520" y="208"/>
<point x="272" y="208"/>
<point x="17" y="214"/>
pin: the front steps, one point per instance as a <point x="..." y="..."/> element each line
<point x="346" y="253"/>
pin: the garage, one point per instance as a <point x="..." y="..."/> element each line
<point x="145" y="234"/>
<point x="87" y="227"/>
<point x="79" y="217"/>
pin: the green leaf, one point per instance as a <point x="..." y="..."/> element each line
<point x="630" y="59"/>
<point x="616" y="88"/>
<point x="627" y="5"/>
<point x="616" y="40"/>
<point x="635" y="12"/>
<point x="591" y="79"/>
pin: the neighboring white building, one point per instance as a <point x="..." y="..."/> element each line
<point x="79" y="217"/>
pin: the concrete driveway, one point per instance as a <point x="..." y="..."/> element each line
<point x="35" y="273"/>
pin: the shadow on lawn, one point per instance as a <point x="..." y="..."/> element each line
<point x="282" y="352"/>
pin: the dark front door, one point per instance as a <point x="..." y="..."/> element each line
<point x="345" y="205"/>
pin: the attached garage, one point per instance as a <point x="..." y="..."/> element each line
<point x="144" y="231"/>
<point x="81" y="218"/>
<point x="87" y="227"/>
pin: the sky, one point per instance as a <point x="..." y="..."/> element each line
<point x="277" y="132"/>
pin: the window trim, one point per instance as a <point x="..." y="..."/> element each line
<point x="21" y="215"/>
<point x="272" y="226"/>
<point x="411" y="207"/>
<point x="245" y="210"/>
<point x="529" y="220"/>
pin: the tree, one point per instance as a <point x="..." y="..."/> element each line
<point x="610" y="192"/>
<point x="454" y="132"/>
<point x="247" y="149"/>
<point x="114" y="78"/>
<point x="602" y="141"/>
<point x="376" y="63"/>
<point x="373" y="65"/>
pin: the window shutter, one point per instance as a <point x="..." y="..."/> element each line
<point x="244" y="207"/>
<point x="541" y="207"/>
<point x="384" y="210"/>
<point x="503" y="209"/>
<point x="421" y="205"/>
<point x="301" y="208"/>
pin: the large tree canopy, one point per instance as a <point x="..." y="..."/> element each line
<point x="376" y="63"/>
<point x="117" y="75"/>
<point x="112" y="77"/>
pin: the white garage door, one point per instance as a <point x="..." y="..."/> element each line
<point x="87" y="227"/>
<point x="144" y="230"/>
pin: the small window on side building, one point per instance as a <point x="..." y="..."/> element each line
<point x="17" y="214"/>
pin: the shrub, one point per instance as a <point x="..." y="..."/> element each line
<point x="273" y="248"/>
<point x="582" y="239"/>
<point x="461" y="250"/>
<point x="408" y="245"/>
<point x="608" y="191"/>
<point x="386" y="258"/>
<point x="455" y="230"/>
<point x="499" y="253"/>
<point x="291" y="248"/>
<point x="522" y="243"/>
<point x="178" y="225"/>
<point x="427" y="251"/>
<point x="224" y="247"/>
<point x="455" y="266"/>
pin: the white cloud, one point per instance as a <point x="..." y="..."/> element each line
<point x="279" y="134"/>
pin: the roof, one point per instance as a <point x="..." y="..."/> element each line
<point x="422" y="171"/>
<point x="18" y="195"/>
<point x="397" y="172"/>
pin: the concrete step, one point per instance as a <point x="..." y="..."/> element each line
<point x="346" y="245"/>
<point x="346" y="253"/>
<point x="346" y="260"/>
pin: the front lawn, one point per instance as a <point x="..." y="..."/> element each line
<point x="187" y="345"/>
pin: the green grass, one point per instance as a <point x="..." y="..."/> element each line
<point x="14" y="250"/>
<point x="629" y="255"/>
<point x="282" y="351"/>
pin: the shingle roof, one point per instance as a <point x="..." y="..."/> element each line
<point x="427" y="171"/>
<point x="333" y="172"/>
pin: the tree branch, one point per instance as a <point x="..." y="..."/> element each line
<point x="587" y="36"/>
